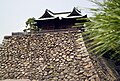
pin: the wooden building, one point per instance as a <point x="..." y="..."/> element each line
<point x="63" y="20"/>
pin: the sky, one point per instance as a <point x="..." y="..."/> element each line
<point x="14" y="13"/>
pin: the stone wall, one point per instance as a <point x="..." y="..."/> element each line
<point x="49" y="56"/>
<point x="15" y="80"/>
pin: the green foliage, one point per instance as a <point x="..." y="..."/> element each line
<point x="104" y="29"/>
<point x="30" y="25"/>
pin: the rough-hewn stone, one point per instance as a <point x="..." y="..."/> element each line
<point x="50" y="56"/>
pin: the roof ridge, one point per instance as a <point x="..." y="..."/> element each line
<point x="62" y="13"/>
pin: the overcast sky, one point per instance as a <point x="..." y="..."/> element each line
<point x="14" y="13"/>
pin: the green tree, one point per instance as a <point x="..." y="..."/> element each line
<point x="104" y="29"/>
<point x="30" y="25"/>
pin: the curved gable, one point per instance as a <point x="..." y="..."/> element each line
<point x="47" y="14"/>
<point x="75" y="12"/>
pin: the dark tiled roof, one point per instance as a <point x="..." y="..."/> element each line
<point x="50" y="15"/>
